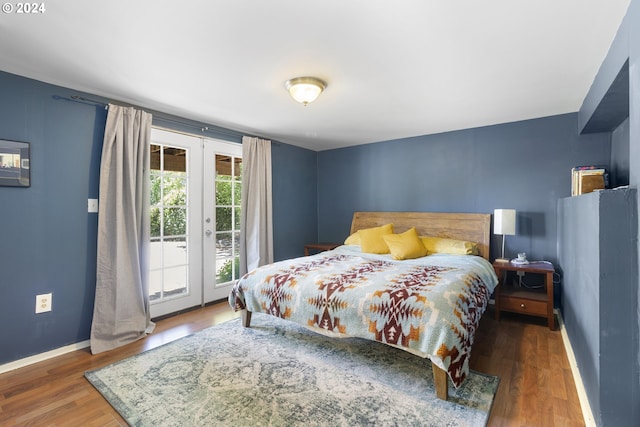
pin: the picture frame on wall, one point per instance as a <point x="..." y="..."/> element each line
<point x="15" y="170"/>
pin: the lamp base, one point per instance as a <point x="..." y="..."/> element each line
<point x="502" y="260"/>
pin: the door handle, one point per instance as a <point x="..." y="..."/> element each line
<point x="208" y="233"/>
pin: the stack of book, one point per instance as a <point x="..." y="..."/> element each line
<point x="585" y="179"/>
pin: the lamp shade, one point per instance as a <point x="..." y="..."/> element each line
<point x="305" y="89"/>
<point x="504" y="221"/>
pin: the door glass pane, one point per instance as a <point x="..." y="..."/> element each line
<point x="174" y="159"/>
<point x="156" y="195"/>
<point x="175" y="252"/>
<point x="237" y="192"/>
<point x="236" y="255"/>
<point x="223" y="192"/>
<point x="174" y="221"/>
<point x="175" y="281"/>
<point x="168" y="272"/>
<point x="155" y="284"/>
<point x="236" y="218"/>
<point x="224" y="257"/>
<point x="154" y="157"/>
<point x="174" y="187"/>
<point x="224" y="166"/>
<point x="223" y="218"/>
<point x="155" y="254"/>
<point x="156" y="221"/>
<point x="228" y="200"/>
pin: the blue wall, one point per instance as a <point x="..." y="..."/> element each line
<point x="523" y="165"/>
<point x="295" y="211"/>
<point x="48" y="241"/>
<point x="615" y="400"/>
<point x="597" y="240"/>
<point x="47" y="238"/>
<point x="633" y="16"/>
<point x="619" y="173"/>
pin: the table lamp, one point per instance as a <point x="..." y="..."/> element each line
<point x="504" y="222"/>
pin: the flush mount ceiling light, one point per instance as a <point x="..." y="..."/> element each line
<point x="305" y="89"/>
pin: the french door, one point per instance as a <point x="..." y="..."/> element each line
<point x="195" y="220"/>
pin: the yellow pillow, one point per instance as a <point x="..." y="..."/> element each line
<point x="353" y="239"/>
<point x="405" y="245"/>
<point x="371" y="239"/>
<point x="440" y="245"/>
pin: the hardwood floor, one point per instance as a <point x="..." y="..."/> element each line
<point x="536" y="385"/>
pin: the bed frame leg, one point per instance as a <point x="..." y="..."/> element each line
<point x="441" y="382"/>
<point x="246" y="318"/>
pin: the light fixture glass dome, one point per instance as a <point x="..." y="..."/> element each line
<point x="305" y="89"/>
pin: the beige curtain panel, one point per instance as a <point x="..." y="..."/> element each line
<point x="121" y="308"/>
<point x="256" y="223"/>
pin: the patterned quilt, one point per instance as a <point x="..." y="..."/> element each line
<point x="429" y="306"/>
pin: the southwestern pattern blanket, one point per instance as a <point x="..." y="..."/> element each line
<point x="430" y="306"/>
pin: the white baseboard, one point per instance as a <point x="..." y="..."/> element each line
<point x="43" y="356"/>
<point x="589" y="421"/>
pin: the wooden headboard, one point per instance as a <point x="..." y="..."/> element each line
<point x="462" y="226"/>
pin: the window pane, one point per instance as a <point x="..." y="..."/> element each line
<point x="223" y="219"/>
<point x="238" y="169"/>
<point x="175" y="252"/>
<point x="223" y="193"/>
<point x="223" y="167"/>
<point x="175" y="221"/>
<point x="224" y="258"/>
<point x="223" y="245"/>
<point x="236" y="255"/>
<point x="224" y="272"/>
<point x="175" y="190"/>
<point x="237" y="193"/>
<point x="175" y="281"/>
<point x="155" y="189"/>
<point x="154" y="157"/>
<point x="155" y="254"/>
<point x="155" y="221"/>
<point x="236" y="218"/>
<point x="174" y="159"/>
<point x="155" y="284"/>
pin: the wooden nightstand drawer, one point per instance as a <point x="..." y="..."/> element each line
<point x="524" y="300"/>
<point x="524" y="306"/>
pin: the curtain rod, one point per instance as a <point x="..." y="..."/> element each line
<point x="157" y="116"/>
<point x="202" y="128"/>
<point x="81" y="100"/>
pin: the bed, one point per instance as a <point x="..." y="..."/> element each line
<point x="427" y="305"/>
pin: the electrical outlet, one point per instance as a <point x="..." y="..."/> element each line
<point x="43" y="303"/>
<point x="92" y="205"/>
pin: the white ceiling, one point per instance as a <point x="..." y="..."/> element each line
<point x="394" y="68"/>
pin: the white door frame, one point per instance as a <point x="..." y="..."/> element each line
<point x="213" y="291"/>
<point x="201" y="219"/>
<point x="193" y="296"/>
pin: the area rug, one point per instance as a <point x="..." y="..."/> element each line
<point x="279" y="374"/>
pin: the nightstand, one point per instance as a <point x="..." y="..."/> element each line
<point x="319" y="247"/>
<point x="522" y="300"/>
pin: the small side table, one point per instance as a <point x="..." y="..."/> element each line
<point x="319" y="247"/>
<point x="525" y="301"/>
